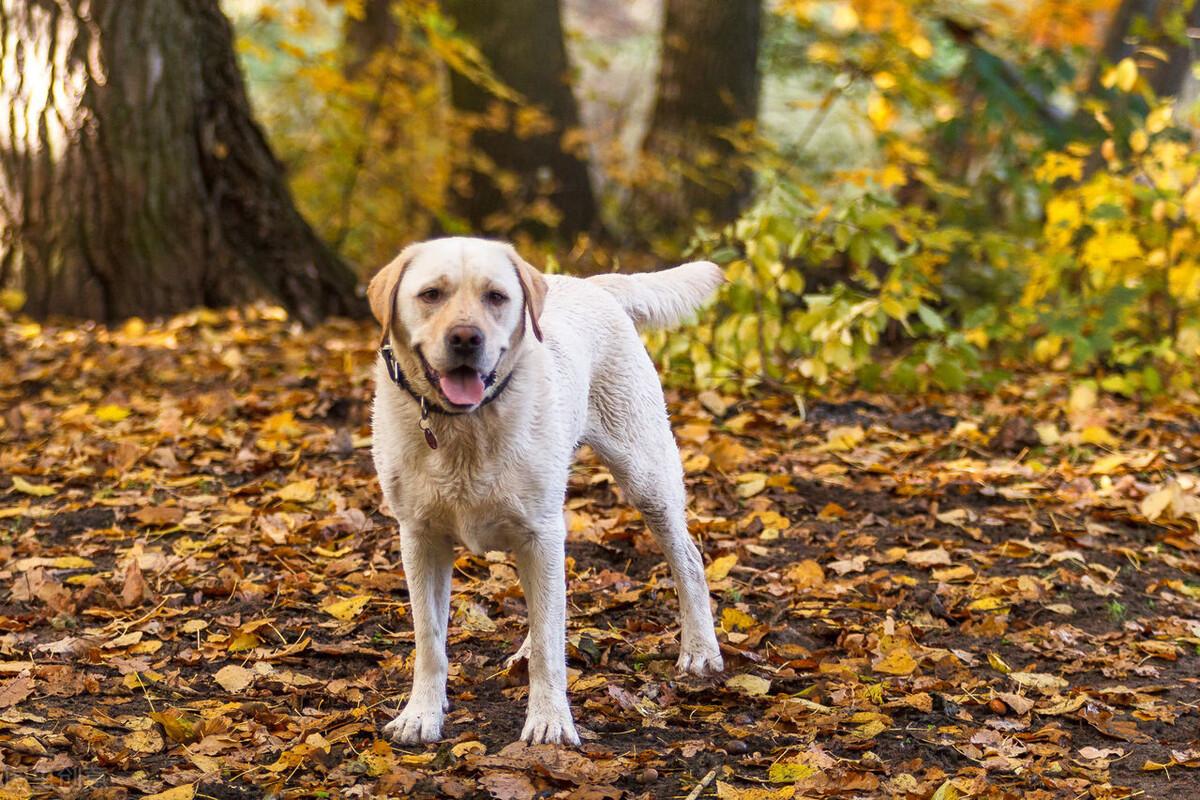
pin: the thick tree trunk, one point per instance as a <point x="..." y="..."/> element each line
<point x="133" y="179"/>
<point x="521" y="164"/>
<point x="708" y="86"/>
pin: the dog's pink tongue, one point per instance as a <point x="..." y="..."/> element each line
<point x="463" y="387"/>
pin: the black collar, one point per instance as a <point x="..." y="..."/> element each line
<point x="397" y="375"/>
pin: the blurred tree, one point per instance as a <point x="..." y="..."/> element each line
<point x="133" y="178"/>
<point x="1163" y="30"/>
<point x="529" y="166"/>
<point x="708" y="87"/>
<point x="367" y="32"/>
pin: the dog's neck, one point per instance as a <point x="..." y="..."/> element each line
<point x="430" y="407"/>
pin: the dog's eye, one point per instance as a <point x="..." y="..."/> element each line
<point x="496" y="298"/>
<point x="431" y="295"/>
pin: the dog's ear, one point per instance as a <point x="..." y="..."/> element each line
<point x="381" y="291"/>
<point x="534" y="287"/>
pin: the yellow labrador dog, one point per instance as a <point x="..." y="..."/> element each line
<point x="490" y="375"/>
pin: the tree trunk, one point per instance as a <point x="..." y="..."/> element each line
<point x="133" y="179"/>
<point x="1117" y="41"/>
<point x="520" y="163"/>
<point x="1167" y="78"/>
<point x="1162" y="24"/>
<point x="376" y="30"/>
<point x="708" y="86"/>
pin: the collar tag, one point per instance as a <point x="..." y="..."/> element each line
<point x="426" y="428"/>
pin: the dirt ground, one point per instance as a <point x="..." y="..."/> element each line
<point x="986" y="596"/>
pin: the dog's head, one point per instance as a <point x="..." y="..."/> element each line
<point x="455" y="311"/>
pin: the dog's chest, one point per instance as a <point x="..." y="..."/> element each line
<point x="482" y="510"/>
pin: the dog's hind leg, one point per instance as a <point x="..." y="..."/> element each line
<point x="428" y="562"/>
<point x="633" y="438"/>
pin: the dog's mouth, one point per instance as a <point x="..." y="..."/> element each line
<point x="461" y="387"/>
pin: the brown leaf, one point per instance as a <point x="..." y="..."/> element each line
<point x="508" y="786"/>
<point x="134" y="590"/>
<point x="159" y="516"/>
<point x="16" y="690"/>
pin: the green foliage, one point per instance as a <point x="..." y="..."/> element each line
<point x="952" y="196"/>
<point x="994" y="227"/>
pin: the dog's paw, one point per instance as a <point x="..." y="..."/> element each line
<point x="416" y="724"/>
<point x="550" y="723"/>
<point x="700" y="659"/>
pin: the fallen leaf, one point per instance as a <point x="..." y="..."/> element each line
<point x="844" y="438"/>
<point x="184" y="792"/>
<point x="16" y="690"/>
<point x="749" y="684"/>
<point x="347" y="608"/>
<point x="233" y="678"/>
<point x="719" y="568"/>
<point x="25" y="487"/>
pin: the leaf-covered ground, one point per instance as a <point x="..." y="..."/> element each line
<point x="956" y="596"/>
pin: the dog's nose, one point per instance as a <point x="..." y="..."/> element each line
<point x="464" y="340"/>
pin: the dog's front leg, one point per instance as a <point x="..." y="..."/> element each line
<point x="543" y="579"/>
<point x="428" y="561"/>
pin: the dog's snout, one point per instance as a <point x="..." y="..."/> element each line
<point x="464" y="340"/>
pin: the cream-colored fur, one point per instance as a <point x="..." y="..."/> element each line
<point x="497" y="479"/>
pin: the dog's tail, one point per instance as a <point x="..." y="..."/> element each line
<point x="663" y="299"/>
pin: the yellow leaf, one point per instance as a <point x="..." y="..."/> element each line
<point x="304" y="491"/>
<point x="753" y="485"/>
<point x="880" y="112"/>
<point x="185" y="792"/>
<point x="734" y="620"/>
<point x="1158" y="119"/>
<point x="1139" y="141"/>
<point x="348" y="608"/>
<point x="844" y="438"/>
<point x="997" y="663"/>
<point x="22" y="485"/>
<point x="790" y="771"/>
<point x="282" y="425"/>
<point x="1048" y="433"/>
<point x="1097" y="435"/>
<point x="465" y="748"/>
<point x="72" y="562"/>
<point x="988" y="604"/>
<point x="719" y="568"/>
<point x="1155" y="503"/>
<point x="750" y="684"/>
<point x="244" y="640"/>
<point x="12" y="300"/>
<point x="844" y="19"/>
<point x="947" y="791"/>
<point x="1123" y="76"/>
<point x="111" y="413"/>
<point x="726" y="791"/>
<point x="1108" y="464"/>
<point x="1083" y="398"/>
<point x="807" y="574"/>
<point x="897" y="662"/>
